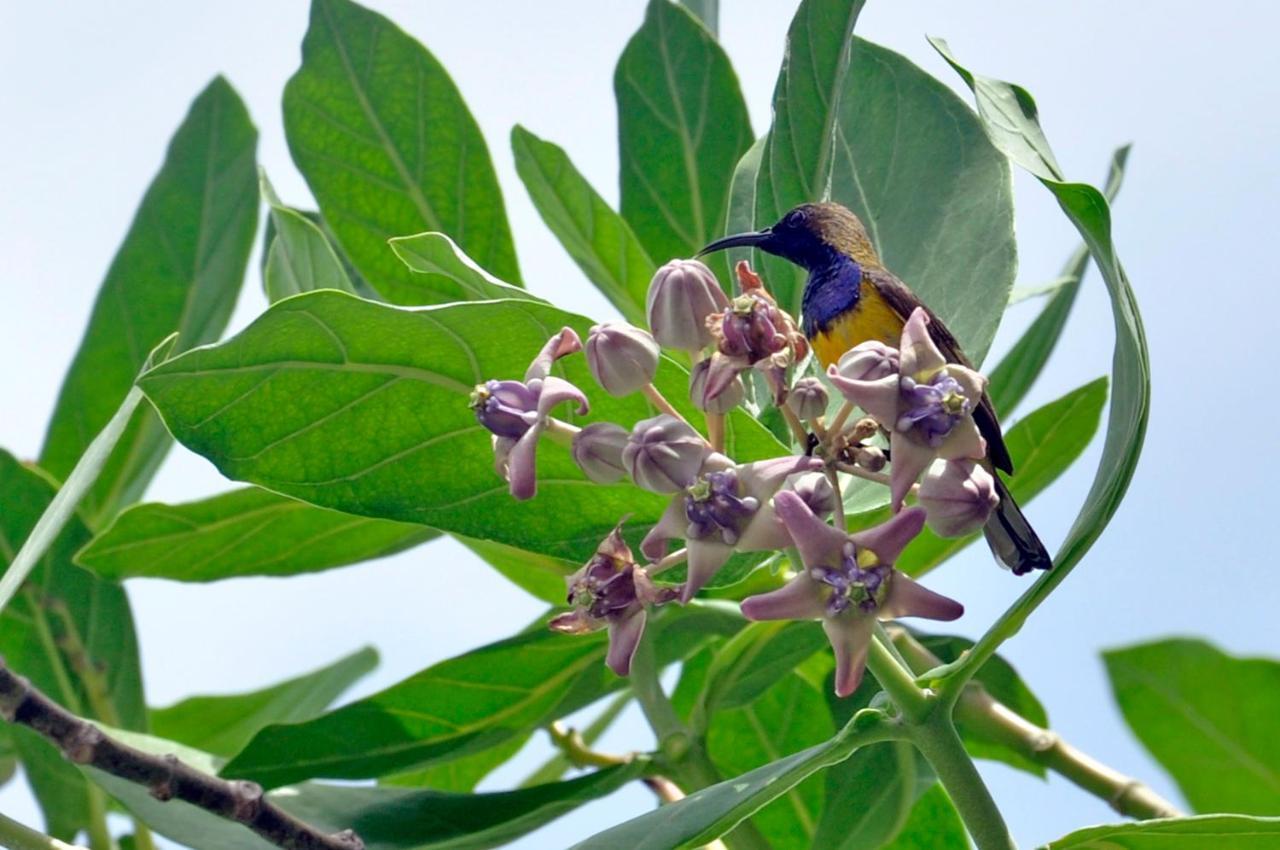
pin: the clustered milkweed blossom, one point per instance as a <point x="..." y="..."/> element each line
<point x="917" y="407"/>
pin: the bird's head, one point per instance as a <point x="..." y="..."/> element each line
<point x="808" y="236"/>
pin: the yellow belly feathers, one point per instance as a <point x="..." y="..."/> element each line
<point x="870" y="319"/>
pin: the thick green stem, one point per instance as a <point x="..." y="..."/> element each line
<point x="914" y="703"/>
<point x="16" y="836"/>
<point x="939" y="743"/>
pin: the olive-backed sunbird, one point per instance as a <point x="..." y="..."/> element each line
<point x="850" y="298"/>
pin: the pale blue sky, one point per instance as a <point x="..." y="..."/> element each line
<point x="91" y="93"/>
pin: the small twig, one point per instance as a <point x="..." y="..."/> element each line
<point x="17" y="836"/>
<point x="659" y="401"/>
<point x="575" y="749"/>
<point x="878" y="477"/>
<point x="715" y="431"/>
<point x="165" y="777"/>
<point x="838" y="509"/>
<point x="837" y="425"/>
<point x="677" y="557"/>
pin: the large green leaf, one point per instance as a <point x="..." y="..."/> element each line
<point x="388" y="147"/>
<point x="246" y="532"/>
<point x="682" y="125"/>
<point x="179" y="269"/>
<point x="1207" y="717"/>
<point x="222" y="725"/>
<point x="1018" y="369"/>
<point x="911" y="159"/>
<point x="1228" y="832"/>
<point x="461" y="774"/>
<point x="56" y="600"/>
<point x="1009" y="116"/>
<point x="1043" y="445"/>
<point x="385" y="818"/>
<point x="599" y="240"/>
<point x="788" y="717"/>
<point x="868" y="797"/>
<point x="795" y="165"/>
<point x="752" y="662"/>
<point x="460" y="706"/>
<point x="539" y="575"/>
<point x="708" y="11"/>
<point x="363" y="407"/>
<point x="711" y="812"/>
<point x="933" y="824"/>
<point x="300" y="257"/>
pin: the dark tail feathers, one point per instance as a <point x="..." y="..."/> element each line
<point x="1012" y="539"/>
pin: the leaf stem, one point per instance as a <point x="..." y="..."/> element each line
<point x="940" y="744"/>
<point x="898" y="682"/>
<point x="659" y="401"/>
<point x="17" y="836"/>
<point x="64" y="502"/>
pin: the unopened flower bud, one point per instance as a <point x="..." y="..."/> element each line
<point x="622" y="357"/>
<point x="681" y="296"/>
<point x="597" y="449"/>
<point x="808" y="398"/>
<point x="958" y="496"/>
<point x="727" y="399"/>
<point x="816" y="492"/>
<point x="869" y="361"/>
<point x="864" y="429"/>
<point x="869" y="458"/>
<point x="663" y="454"/>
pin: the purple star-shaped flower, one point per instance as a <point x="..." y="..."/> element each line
<point x="516" y="412"/>
<point x="926" y="403"/>
<point x="849" y="582"/>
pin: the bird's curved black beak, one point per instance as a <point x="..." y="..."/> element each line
<point x="761" y="239"/>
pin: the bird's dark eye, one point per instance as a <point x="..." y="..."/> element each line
<point x="795" y="219"/>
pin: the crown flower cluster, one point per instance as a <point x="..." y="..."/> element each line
<point x="914" y="417"/>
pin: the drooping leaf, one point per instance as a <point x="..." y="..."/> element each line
<point x="1018" y="370"/>
<point x="1207" y="717"/>
<point x="1043" y="445"/>
<point x="60" y="603"/>
<point x="868" y="797"/>
<point x="436" y="257"/>
<point x="460" y="706"/>
<point x="1009" y="117"/>
<point x="795" y="165"/>
<point x="742" y="202"/>
<point x="222" y="725"/>
<point x="1237" y="832"/>
<point x="385" y="818"/>
<point x="378" y="422"/>
<point x="599" y="240"/>
<point x="711" y="812"/>
<point x="179" y="269"/>
<point x="389" y="148"/>
<point x="933" y="824"/>
<point x="786" y="718"/>
<point x="300" y="257"/>
<point x="245" y="532"/>
<point x="1004" y="684"/>
<point x="682" y="126"/>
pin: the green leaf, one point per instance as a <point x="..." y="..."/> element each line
<point x="868" y="797"/>
<point x="300" y="258"/>
<point x="436" y="257"/>
<point x="1001" y="681"/>
<point x="460" y="774"/>
<point x="245" y="532"/>
<point x="539" y="575"/>
<point x="682" y="126"/>
<point x="1010" y="120"/>
<point x="179" y="269"/>
<point x="933" y="824"/>
<point x="911" y="159"/>
<point x="56" y="599"/>
<point x="1018" y="370"/>
<point x="753" y="661"/>
<point x="388" y="147"/>
<point x="385" y="818"/>
<point x="462" y="705"/>
<point x="799" y="151"/>
<point x="707" y="11"/>
<point x="1043" y="445"/>
<point x="599" y="240"/>
<point x="711" y="812"/>
<point x="1207" y="717"/>
<point x="1236" y="832"/>
<point x="742" y="203"/>
<point x="377" y="421"/>
<point x="222" y="725"/>
<point x="787" y="717"/>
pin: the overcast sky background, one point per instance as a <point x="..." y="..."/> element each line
<point x="92" y="92"/>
